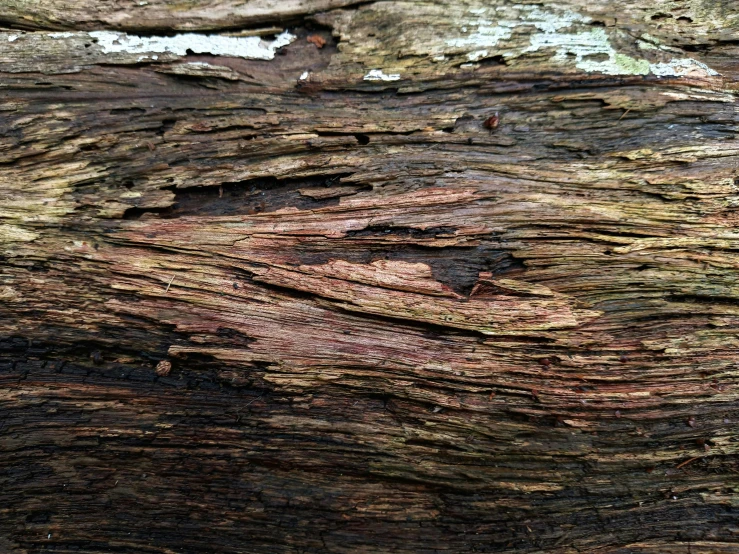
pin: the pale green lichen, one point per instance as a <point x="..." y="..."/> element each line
<point x="648" y="42"/>
<point x="502" y="20"/>
<point x="631" y="66"/>
<point x="486" y="35"/>
<point x="590" y="51"/>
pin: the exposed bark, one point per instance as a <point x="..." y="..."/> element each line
<point x="449" y="277"/>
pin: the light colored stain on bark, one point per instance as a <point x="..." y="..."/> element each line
<point x="254" y="48"/>
<point x="587" y="50"/>
<point x="378" y="75"/>
<point x="498" y="23"/>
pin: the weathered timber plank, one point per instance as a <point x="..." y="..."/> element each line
<point x="431" y="277"/>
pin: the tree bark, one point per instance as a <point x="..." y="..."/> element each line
<point x="341" y="276"/>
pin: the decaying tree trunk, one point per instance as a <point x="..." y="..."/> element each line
<point x="341" y="276"/>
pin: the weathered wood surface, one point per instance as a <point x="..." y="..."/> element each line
<point x="391" y="328"/>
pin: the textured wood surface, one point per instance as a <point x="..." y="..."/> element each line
<point x="336" y="276"/>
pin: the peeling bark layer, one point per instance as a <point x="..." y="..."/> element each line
<point x="335" y="276"/>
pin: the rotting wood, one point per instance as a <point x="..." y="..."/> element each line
<point x="460" y="279"/>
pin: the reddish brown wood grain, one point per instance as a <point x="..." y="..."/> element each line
<point x="301" y="305"/>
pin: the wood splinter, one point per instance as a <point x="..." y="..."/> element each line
<point x="686" y="462"/>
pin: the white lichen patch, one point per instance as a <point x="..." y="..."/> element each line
<point x="12" y="38"/>
<point x="487" y="35"/>
<point x="477" y="55"/>
<point x="682" y="68"/>
<point x="378" y="75"/>
<point x="502" y="20"/>
<point x="550" y="21"/>
<point x="304" y="75"/>
<point x="592" y="52"/>
<point x="61" y="35"/>
<point x="563" y="32"/>
<point x="253" y="48"/>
